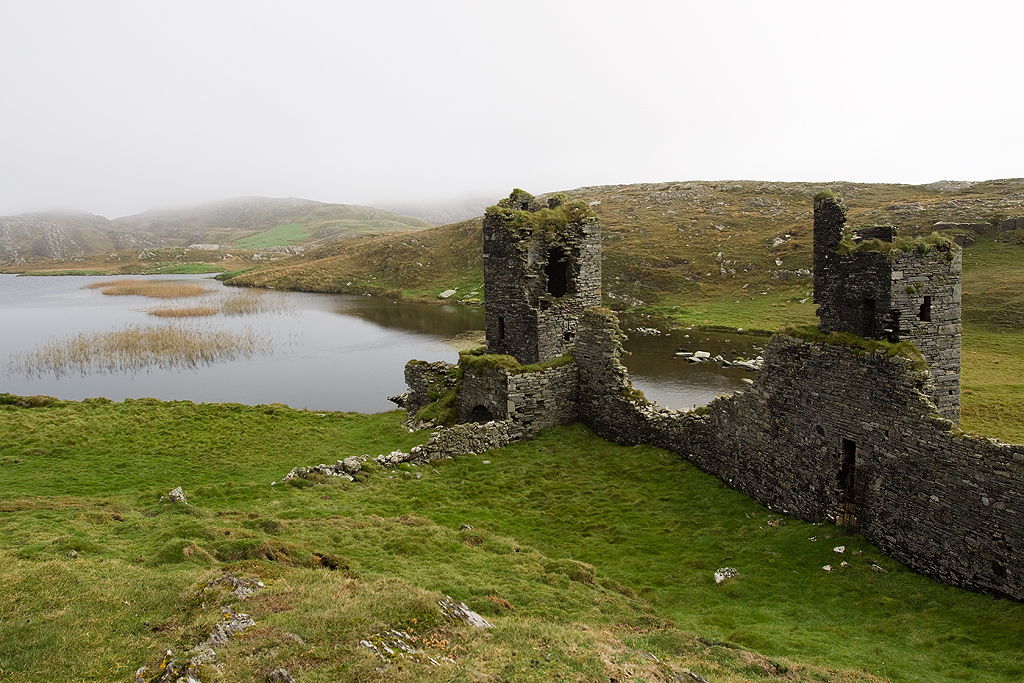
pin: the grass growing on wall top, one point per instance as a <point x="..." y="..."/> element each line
<point x="858" y="344"/>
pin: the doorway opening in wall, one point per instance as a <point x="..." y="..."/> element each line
<point x="846" y="517"/>
<point x="480" y="414"/>
<point x="557" y="271"/>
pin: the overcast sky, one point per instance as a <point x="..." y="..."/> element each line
<point x="116" y="107"/>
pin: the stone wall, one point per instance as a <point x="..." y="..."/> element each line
<point x="537" y="400"/>
<point x="925" y="301"/>
<point x="426" y="381"/>
<point x="541" y="271"/>
<point x="896" y="294"/>
<point x="827" y="434"/>
<point x="483" y="395"/>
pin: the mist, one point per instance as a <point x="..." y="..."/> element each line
<point x="118" y="107"/>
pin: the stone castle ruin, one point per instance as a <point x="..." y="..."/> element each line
<point x="854" y="423"/>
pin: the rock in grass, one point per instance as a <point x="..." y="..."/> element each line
<point x="459" y="610"/>
<point x="177" y="495"/>
<point x="724" y="574"/>
<point x="280" y="675"/>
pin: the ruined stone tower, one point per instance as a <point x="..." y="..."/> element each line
<point x="875" y="286"/>
<point x="542" y="269"/>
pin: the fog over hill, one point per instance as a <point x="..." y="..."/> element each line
<point x="73" y="234"/>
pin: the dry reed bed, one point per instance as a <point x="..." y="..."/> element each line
<point x="250" y="302"/>
<point x="136" y="348"/>
<point x="159" y="289"/>
<point x="184" y="311"/>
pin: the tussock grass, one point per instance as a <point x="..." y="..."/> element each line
<point x="160" y="289"/>
<point x="592" y="560"/>
<point x="135" y="348"/>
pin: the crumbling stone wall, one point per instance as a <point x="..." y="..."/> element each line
<point x="542" y="269"/>
<point x="827" y="434"/>
<point x="887" y="292"/>
<point x="426" y="381"/>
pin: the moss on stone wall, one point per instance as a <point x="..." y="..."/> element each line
<point x="861" y="345"/>
<point x="922" y="245"/>
<point x="476" y="360"/>
<point x="551" y="221"/>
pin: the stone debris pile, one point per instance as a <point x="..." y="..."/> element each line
<point x="231" y="623"/>
<point x="445" y="443"/>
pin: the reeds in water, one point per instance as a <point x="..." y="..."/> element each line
<point x="184" y="311"/>
<point x="160" y="289"/>
<point x="249" y="302"/>
<point x="138" y="347"/>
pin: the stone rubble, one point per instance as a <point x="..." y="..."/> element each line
<point x="231" y="623"/>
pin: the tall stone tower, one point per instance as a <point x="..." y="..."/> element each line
<point x="875" y="286"/>
<point x="542" y="269"/>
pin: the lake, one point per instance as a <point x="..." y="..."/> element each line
<point x="317" y="351"/>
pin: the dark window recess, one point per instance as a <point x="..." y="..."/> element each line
<point x="925" y="314"/>
<point x="557" y="271"/>
<point x="480" y="414"/>
<point x="525" y="206"/>
<point x="501" y="328"/>
<point x="567" y="336"/>
<point x="867" y="318"/>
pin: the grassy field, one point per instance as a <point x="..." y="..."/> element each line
<point x="283" y="235"/>
<point x="593" y="561"/>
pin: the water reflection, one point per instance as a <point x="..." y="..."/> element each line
<point x="329" y="352"/>
<point x="446" y="320"/>
<point x="674" y="382"/>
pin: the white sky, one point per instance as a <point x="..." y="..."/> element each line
<point x="116" y="107"/>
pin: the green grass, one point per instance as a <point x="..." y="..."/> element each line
<point x="183" y="269"/>
<point x="283" y="235"/>
<point x="648" y="529"/>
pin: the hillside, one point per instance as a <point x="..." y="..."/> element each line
<point x="53" y="236"/>
<point x="665" y="244"/>
<point x="233" y="221"/>
<point x="58" y="240"/>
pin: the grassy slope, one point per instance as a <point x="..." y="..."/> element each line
<point x="661" y="256"/>
<point x="654" y="528"/>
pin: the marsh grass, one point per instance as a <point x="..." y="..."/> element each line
<point x="136" y="348"/>
<point x="248" y="302"/>
<point x="185" y="311"/>
<point x="159" y="289"/>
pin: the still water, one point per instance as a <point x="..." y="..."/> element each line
<point x="323" y="351"/>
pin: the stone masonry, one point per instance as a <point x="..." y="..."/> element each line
<point x="826" y="432"/>
<point x="876" y="288"/>
<point x="542" y="269"/>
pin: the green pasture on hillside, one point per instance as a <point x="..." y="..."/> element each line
<point x="284" y="235"/>
<point x="586" y="555"/>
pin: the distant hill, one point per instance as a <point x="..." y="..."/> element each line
<point x="665" y="242"/>
<point x="242" y="222"/>
<point x="231" y="220"/>
<point x="54" y="236"/>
